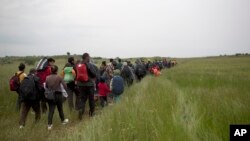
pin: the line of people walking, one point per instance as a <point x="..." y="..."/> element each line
<point x="46" y="85"/>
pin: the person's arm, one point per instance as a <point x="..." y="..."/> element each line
<point x="63" y="83"/>
<point x="62" y="73"/>
<point x="91" y="70"/>
<point x="73" y="73"/>
<point x="107" y="89"/>
<point x="111" y="83"/>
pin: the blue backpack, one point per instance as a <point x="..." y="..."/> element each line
<point x="117" y="85"/>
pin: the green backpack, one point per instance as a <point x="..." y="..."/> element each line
<point x="68" y="76"/>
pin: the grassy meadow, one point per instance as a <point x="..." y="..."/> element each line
<point x="196" y="100"/>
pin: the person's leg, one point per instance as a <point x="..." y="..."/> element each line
<point x="52" y="106"/>
<point x="77" y="102"/>
<point x="70" y="90"/>
<point x="18" y="102"/>
<point x="70" y="99"/>
<point x="117" y="98"/>
<point x="43" y="101"/>
<point x="59" y="104"/>
<point x="83" y="99"/>
<point x="102" y="101"/>
<point x="36" y="109"/>
<point x="105" y="98"/>
<point x="91" y="96"/>
<point x="25" y="109"/>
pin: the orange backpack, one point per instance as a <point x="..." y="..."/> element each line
<point x="82" y="73"/>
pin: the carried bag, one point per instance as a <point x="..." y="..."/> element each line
<point x="42" y="64"/>
<point x="14" y="82"/>
<point x="82" y="73"/>
<point x="28" y="89"/>
<point x="50" y="94"/>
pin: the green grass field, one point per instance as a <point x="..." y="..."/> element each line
<point x="196" y="100"/>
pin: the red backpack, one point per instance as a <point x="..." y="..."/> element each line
<point x="82" y="73"/>
<point x="15" y="82"/>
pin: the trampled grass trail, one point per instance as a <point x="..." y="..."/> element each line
<point x="196" y="100"/>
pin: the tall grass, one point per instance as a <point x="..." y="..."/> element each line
<point x="196" y="100"/>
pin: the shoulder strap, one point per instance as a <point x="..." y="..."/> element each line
<point x="19" y="74"/>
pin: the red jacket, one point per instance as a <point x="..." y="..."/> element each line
<point x="103" y="89"/>
<point x="43" y="74"/>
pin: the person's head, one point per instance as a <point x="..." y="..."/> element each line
<point x="32" y="71"/>
<point x="114" y="63"/>
<point x="51" y="61"/>
<point x="54" y="69"/>
<point x="125" y="63"/>
<point x="111" y="60"/>
<point x="86" y="57"/>
<point x="104" y="63"/>
<point x="71" y="60"/>
<point x="102" y="80"/>
<point x="78" y="61"/>
<point x="68" y="65"/>
<point x="117" y="72"/>
<point x="21" y="67"/>
<point x="119" y="60"/>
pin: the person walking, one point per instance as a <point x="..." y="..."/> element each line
<point x="117" y="85"/>
<point x="43" y="70"/>
<point x="69" y="74"/>
<point x="21" y="75"/>
<point x="53" y="85"/>
<point x="84" y="80"/>
<point x="29" y="91"/>
<point x="103" y="92"/>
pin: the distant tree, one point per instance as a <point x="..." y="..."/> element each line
<point x="30" y="60"/>
<point x="237" y="54"/>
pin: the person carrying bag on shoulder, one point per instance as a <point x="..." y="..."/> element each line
<point x="54" y="95"/>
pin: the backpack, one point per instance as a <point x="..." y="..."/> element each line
<point x="28" y="89"/>
<point x="82" y="73"/>
<point x="126" y="73"/>
<point x="140" y="70"/>
<point x="15" y="82"/>
<point x="117" y="85"/>
<point x="42" y="64"/>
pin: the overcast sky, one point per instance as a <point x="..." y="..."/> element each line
<point x="125" y="28"/>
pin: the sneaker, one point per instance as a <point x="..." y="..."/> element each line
<point x="50" y="127"/>
<point x="21" y="127"/>
<point x="65" y="121"/>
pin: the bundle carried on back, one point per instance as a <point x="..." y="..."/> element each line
<point x="42" y="64"/>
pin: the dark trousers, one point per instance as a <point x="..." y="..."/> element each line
<point x="71" y="90"/>
<point x="18" y="101"/>
<point x="43" y="101"/>
<point x="103" y="100"/>
<point x="85" y="94"/>
<point x="26" y="108"/>
<point x="58" y="102"/>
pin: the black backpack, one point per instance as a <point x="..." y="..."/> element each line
<point x="140" y="70"/>
<point x="28" y="89"/>
<point x="126" y="73"/>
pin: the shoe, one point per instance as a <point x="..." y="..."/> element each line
<point x="50" y="127"/>
<point x="21" y="127"/>
<point x="65" y="121"/>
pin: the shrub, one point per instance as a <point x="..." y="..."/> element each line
<point x="30" y="60"/>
